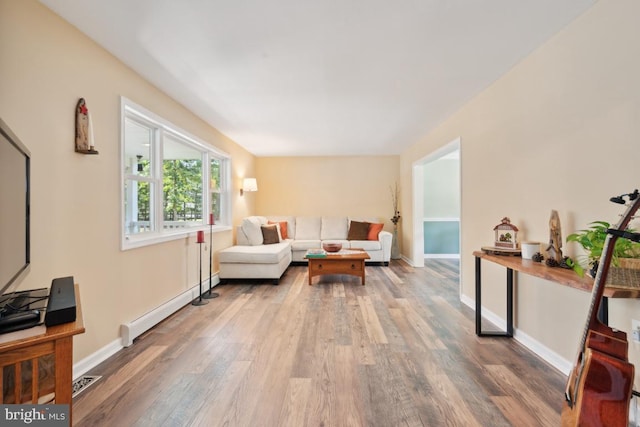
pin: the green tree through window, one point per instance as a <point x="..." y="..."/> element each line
<point x="182" y="189"/>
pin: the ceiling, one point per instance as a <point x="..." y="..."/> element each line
<point x="323" y="77"/>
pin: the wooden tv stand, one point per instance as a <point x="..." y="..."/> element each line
<point x="57" y="341"/>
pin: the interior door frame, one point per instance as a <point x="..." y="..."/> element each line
<point x="418" y="197"/>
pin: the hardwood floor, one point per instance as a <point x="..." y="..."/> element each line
<point x="400" y="351"/>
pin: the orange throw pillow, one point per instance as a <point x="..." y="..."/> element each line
<point x="283" y="229"/>
<point x="374" y="230"/>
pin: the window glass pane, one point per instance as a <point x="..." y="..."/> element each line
<point x="164" y="171"/>
<point x="138" y="138"/>
<point x="182" y="184"/>
<point x="137" y="207"/>
<point x="215" y="188"/>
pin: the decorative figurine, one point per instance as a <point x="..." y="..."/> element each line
<point x="506" y="234"/>
<point x="84" y="131"/>
<point x="555" y="237"/>
<point x="82" y="126"/>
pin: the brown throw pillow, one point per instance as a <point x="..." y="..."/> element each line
<point x="358" y="230"/>
<point x="283" y="229"/>
<point x="270" y="234"/>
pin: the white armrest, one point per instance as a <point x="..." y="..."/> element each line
<point x="386" y="239"/>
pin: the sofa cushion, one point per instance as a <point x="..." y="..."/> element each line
<point x="308" y="228"/>
<point x="358" y="230"/>
<point x="374" y="230"/>
<point x="251" y="228"/>
<point x="263" y="254"/>
<point x="334" y="228"/>
<point x="270" y="234"/>
<point x="303" y="245"/>
<point x="367" y="245"/>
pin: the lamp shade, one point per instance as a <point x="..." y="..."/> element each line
<point x="250" y="184"/>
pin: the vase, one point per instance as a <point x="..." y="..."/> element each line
<point x="395" y="249"/>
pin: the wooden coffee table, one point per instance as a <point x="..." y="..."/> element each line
<point x="347" y="261"/>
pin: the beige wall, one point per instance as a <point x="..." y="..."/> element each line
<point x="559" y="131"/>
<point x="543" y="137"/>
<point x="351" y="186"/>
<point x="46" y="66"/>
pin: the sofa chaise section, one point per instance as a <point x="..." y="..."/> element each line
<point x="255" y="262"/>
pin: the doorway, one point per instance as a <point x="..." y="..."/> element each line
<point x="436" y="204"/>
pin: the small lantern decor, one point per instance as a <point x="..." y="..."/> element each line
<point x="506" y="234"/>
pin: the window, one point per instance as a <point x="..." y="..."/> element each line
<point x="171" y="181"/>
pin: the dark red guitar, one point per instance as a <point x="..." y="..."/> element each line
<point x="600" y="385"/>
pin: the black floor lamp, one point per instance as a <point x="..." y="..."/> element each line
<point x="200" y="241"/>
<point x="210" y="294"/>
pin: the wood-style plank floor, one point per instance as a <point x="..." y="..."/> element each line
<point x="400" y="351"/>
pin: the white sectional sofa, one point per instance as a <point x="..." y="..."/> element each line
<point x="252" y="259"/>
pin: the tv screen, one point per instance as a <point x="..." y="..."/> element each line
<point x="14" y="209"/>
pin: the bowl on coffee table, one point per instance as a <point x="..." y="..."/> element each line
<point x="332" y="247"/>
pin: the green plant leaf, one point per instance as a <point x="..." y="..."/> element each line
<point x="575" y="267"/>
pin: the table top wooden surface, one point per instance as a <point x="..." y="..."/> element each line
<point x="562" y="276"/>
<point x="360" y="254"/>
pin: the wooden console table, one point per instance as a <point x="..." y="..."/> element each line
<point x="56" y="341"/>
<point x="562" y="276"/>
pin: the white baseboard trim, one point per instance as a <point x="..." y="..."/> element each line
<point x="544" y="352"/>
<point x="441" y="256"/>
<point x="550" y="356"/>
<point x="131" y="330"/>
<point x="135" y="328"/>
<point x="96" y="358"/>
<point x="498" y="321"/>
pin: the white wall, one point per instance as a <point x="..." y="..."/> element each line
<point x="442" y="188"/>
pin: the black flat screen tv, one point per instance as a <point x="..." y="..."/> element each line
<point x="15" y="238"/>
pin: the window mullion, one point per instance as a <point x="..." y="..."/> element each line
<point x="206" y="186"/>
<point x="159" y="178"/>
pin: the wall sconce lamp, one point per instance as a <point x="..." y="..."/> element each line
<point x="249" y="184"/>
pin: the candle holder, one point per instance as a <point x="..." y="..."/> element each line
<point x="210" y="294"/>
<point x="200" y="241"/>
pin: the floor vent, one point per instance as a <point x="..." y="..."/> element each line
<point x="82" y="383"/>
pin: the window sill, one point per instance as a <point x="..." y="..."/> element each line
<point x="148" y="239"/>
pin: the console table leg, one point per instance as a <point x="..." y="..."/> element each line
<point x="478" y="298"/>
<point x="509" y="302"/>
<point x="509" y="331"/>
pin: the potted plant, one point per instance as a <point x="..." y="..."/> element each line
<point x="592" y="241"/>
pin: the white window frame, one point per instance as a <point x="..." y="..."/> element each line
<point x="133" y="111"/>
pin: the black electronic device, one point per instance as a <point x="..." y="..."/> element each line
<point x="19" y="320"/>
<point x="15" y="184"/>
<point x="61" y="307"/>
<point x="22" y="309"/>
